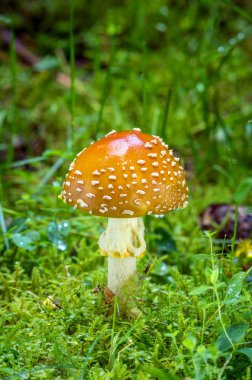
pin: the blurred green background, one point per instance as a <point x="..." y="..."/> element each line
<point x="71" y="71"/>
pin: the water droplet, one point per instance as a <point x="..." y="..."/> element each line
<point x="159" y="216"/>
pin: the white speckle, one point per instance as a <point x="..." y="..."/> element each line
<point x="134" y="175"/>
<point x="112" y="177"/>
<point x="137" y="129"/>
<point x="142" y="192"/>
<point x="110" y="186"/>
<point x="103" y="210"/>
<point x="185" y="204"/>
<point x="64" y="192"/>
<point x="127" y="185"/>
<point x="134" y="182"/>
<point x="127" y="212"/>
<point x="123" y="195"/>
<point x="171" y="152"/>
<point x="169" y="172"/>
<point x="155" y="164"/>
<point x="144" y="180"/>
<point x="176" y="159"/>
<point x="156" y="190"/>
<point x="132" y="167"/>
<point x="90" y="212"/>
<point x="96" y="172"/>
<point x="154" y="182"/>
<point x="125" y="175"/>
<point x="161" y="171"/>
<point x="152" y="155"/>
<point x="175" y="173"/>
<point x="141" y="162"/>
<point x="149" y="212"/>
<point x="171" y="178"/>
<point x="100" y="188"/>
<point x="78" y="189"/>
<point x="148" y="203"/>
<point x="137" y="201"/>
<point x="103" y="170"/>
<point x="173" y="163"/>
<point x="155" y="174"/>
<point x="168" y="159"/>
<point x="78" y="172"/>
<point x="183" y="183"/>
<point x="111" y="169"/>
<point x="148" y="145"/>
<point x="163" y="153"/>
<point x="113" y="208"/>
<point x="80" y="182"/>
<point x="110" y="133"/>
<point x="90" y="195"/>
<point x="82" y="203"/>
<point x="120" y="187"/>
<point x="67" y="183"/>
<point x="143" y="169"/>
<point x="107" y="197"/>
<point x="94" y="183"/>
<point x="123" y="168"/>
<point x="154" y="141"/>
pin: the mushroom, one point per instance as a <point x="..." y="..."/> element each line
<point x="124" y="176"/>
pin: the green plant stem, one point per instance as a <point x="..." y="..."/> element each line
<point x="215" y="290"/>
<point x="111" y="352"/>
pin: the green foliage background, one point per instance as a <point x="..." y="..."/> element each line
<point x="180" y="69"/>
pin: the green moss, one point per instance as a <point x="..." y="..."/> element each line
<point x="179" y="70"/>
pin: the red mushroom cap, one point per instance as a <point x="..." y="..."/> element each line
<point x="125" y="175"/>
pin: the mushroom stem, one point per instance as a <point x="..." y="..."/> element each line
<point x="120" y="271"/>
<point x="123" y="241"/>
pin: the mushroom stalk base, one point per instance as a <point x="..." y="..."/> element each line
<point x="120" y="273"/>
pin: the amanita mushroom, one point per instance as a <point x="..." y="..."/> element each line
<point x="123" y="177"/>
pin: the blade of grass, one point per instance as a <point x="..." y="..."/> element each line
<point x="50" y="173"/>
<point x="88" y="356"/>
<point x="113" y="332"/>
<point x="70" y="133"/>
<point x="105" y="89"/>
<point x="13" y="70"/>
<point x="163" y="133"/>
<point x="4" y="229"/>
<point x="27" y="161"/>
<point x="144" y="88"/>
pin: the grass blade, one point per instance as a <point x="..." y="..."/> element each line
<point x="88" y="356"/>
